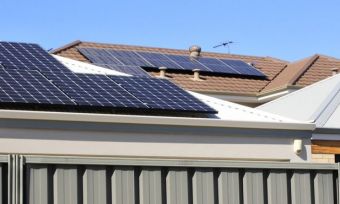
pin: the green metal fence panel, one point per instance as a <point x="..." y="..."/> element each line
<point x="203" y="186"/>
<point x="37" y="183"/>
<point x="94" y="185"/>
<point x="150" y="185"/>
<point x="301" y="187"/>
<point x="277" y="187"/>
<point x="253" y="190"/>
<point x="177" y="186"/>
<point x="229" y="186"/>
<point x="123" y="185"/>
<point x="65" y="185"/>
<point x="323" y="186"/>
<point x="55" y="180"/>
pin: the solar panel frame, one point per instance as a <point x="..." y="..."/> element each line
<point x="29" y="87"/>
<point x="162" y="94"/>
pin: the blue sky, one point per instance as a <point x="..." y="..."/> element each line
<point x="290" y="29"/>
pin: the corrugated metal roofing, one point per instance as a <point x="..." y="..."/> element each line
<point x="318" y="103"/>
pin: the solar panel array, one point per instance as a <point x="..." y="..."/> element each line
<point x="154" y="93"/>
<point x="174" y="62"/>
<point x="29" y="86"/>
<point x="94" y="90"/>
<point x="27" y="56"/>
<point x="29" y="75"/>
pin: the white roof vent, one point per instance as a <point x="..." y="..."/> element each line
<point x="195" y="51"/>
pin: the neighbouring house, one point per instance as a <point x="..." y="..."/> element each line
<point x="318" y="103"/>
<point x="280" y="77"/>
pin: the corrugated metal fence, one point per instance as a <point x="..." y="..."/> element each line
<point x="76" y="180"/>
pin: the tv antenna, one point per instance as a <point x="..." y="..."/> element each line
<point x="225" y="44"/>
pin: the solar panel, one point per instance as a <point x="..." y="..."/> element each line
<point x="30" y="87"/>
<point x="101" y="56"/>
<point x="187" y="63"/>
<point x="161" y="94"/>
<point x="242" y="67"/>
<point x="27" y="56"/>
<point x="159" y="60"/>
<point x="128" y="58"/>
<point x="132" y="70"/>
<point x="93" y="90"/>
<point x="217" y="66"/>
<point x="172" y="62"/>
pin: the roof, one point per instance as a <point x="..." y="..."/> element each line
<point x="304" y="72"/>
<point x="318" y="103"/>
<point x="280" y="74"/>
<point x="226" y="110"/>
<point x="235" y="112"/>
<point x="216" y="84"/>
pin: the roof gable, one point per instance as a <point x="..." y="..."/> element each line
<point x="315" y="103"/>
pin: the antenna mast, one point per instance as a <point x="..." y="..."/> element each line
<point x="225" y="44"/>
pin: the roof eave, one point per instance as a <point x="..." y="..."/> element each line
<point x="150" y="120"/>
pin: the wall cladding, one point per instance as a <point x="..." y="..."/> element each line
<point x="63" y="180"/>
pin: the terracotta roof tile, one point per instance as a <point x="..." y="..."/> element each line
<point x="217" y="84"/>
<point x="319" y="70"/>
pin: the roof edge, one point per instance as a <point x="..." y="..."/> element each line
<point x="150" y="120"/>
<point x="71" y="44"/>
<point x="303" y="69"/>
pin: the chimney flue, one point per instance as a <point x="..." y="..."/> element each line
<point x="195" y="51"/>
<point x="196" y="75"/>
<point x="162" y="71"/>
<point x="335" y="71"/>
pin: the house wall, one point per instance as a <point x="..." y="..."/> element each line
<point x="83" y="138"/>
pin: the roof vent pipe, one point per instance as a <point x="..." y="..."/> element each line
<point x="196" y="74"/>
<point x="195" y="51"/>
<point x="162" y="71"/>
<point x="335" y="71"/>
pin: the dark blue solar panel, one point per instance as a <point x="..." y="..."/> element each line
<point x="216" y="65"/>
<point x="172" y="62"/>
<point x="29" y="86"/>
<point x="93" y="90"/>
<point x="27" y="56"/>
<point x="159" y="60"/>
<point x="161" y="94"/>
<point x="101" y="56"/>
<point x="242" y="67"/>
<point x="187" y="63"/>
<point x="132" y="70"/>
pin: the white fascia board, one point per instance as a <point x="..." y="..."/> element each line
<point x="249" y="99"/>
<point x="149" y="120"/>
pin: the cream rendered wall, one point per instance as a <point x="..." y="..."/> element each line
<point x="151" y="141"/>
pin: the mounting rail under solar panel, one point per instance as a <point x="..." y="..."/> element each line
<point x="29" y="87"/>
<point x="161" y="94"/>
<point x="27" y="56"/>
<point x="127" y="69"/>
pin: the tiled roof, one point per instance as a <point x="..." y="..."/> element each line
<point x="304" y="72"/>
<point x="280" y="74"/>
<point x="217" y="84"/>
